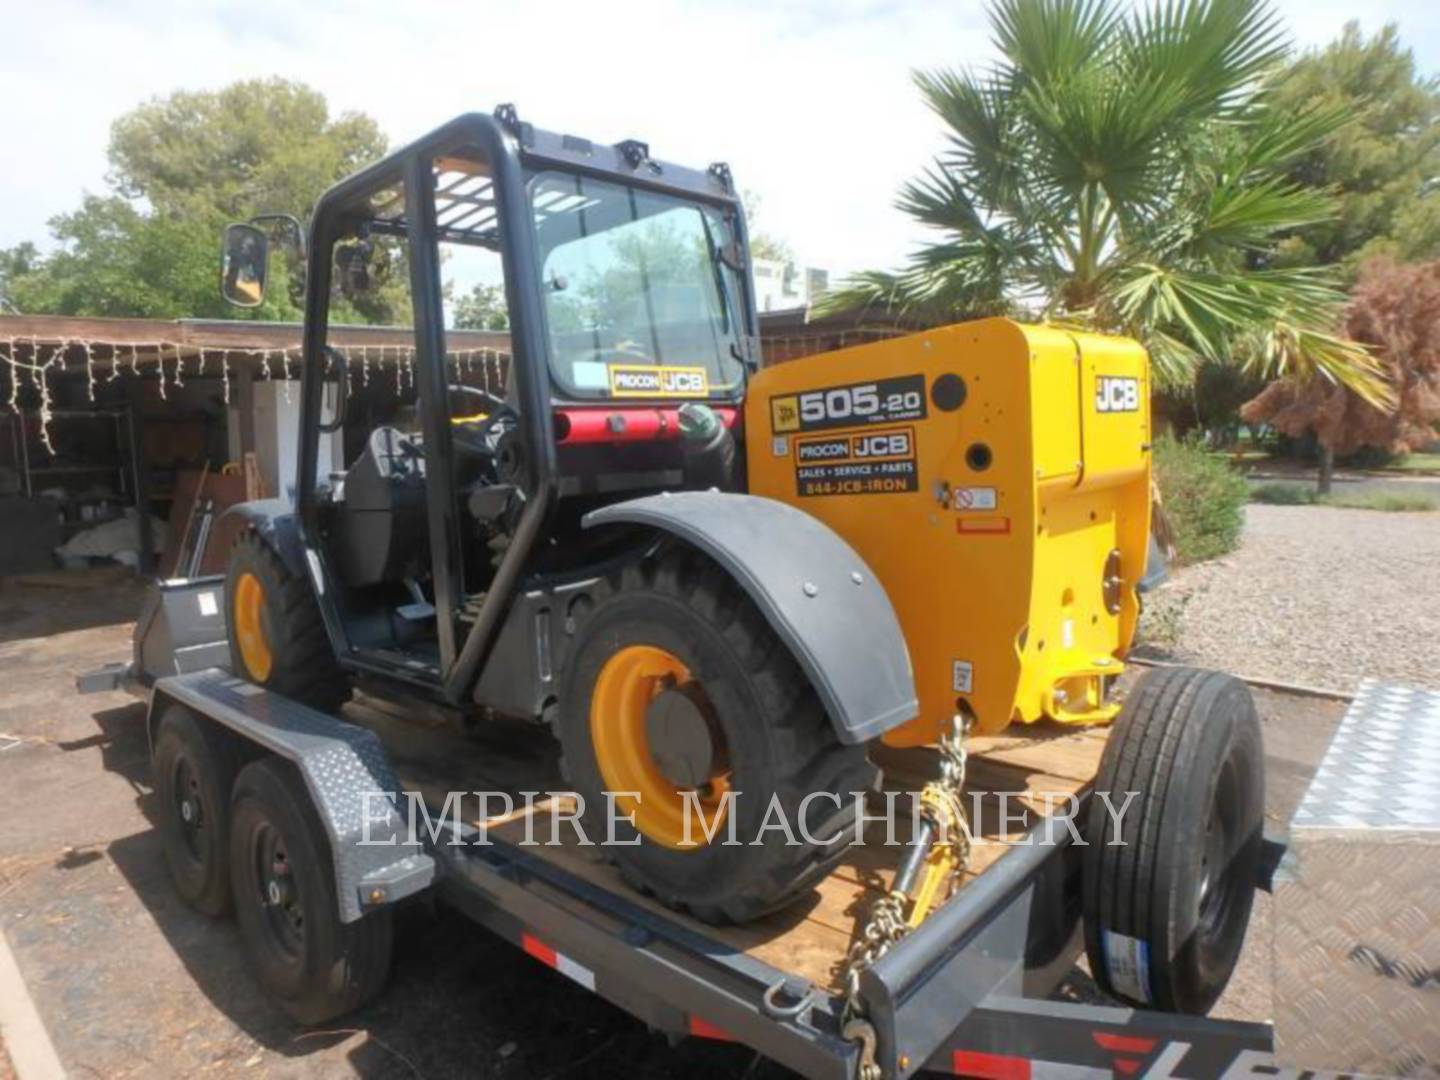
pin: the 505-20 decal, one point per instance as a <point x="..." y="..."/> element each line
<point x="882" y="401"/>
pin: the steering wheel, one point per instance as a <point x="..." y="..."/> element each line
<point x="474" y="441"/>
<point x="492" y="403"/>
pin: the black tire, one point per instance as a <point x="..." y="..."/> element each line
<point x="315" y="966"/>
<point x="778" y="737"/>
<point x="194" y="766"/>
<point x="303" y="664"/>
<point x="1166" y="910"/>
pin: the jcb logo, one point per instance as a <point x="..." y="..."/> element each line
<point x="785" y="414"/>
<point x="895" y="444"/>
<point x="1116" y="393"/>
<point x="682" y="381"/>
<point x="631" y="380"/>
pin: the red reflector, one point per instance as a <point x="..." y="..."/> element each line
<point x="1123" y="1044"/>
<point x="538" y="949"/>
<point x="1128" y="1066"/>
<point x="978" y="525"/>
<point x="990" y="1066"/>
<point x="701" y="1027"/>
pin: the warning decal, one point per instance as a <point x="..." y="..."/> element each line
<point x="857" y="463"/>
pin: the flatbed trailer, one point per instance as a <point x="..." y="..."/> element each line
<point x="967" y="993"/>
<point x="971" y="991"/>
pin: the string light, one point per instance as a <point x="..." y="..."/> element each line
<point x="89" y="371"/>
<point x="490" y="362"/>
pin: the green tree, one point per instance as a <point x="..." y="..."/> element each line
<point x="1121" y="169"/>
<point x="181" y="167"/>
<point x="482" y="308"/>
<point x="1383" y="164"/>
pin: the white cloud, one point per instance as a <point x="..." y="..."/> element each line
<point x="811" y="103"/>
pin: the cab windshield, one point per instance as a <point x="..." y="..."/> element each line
<point x="640" y="297"/>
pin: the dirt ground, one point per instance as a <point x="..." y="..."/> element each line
<point x="128" y="981"/>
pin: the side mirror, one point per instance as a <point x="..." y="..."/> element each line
<point x="244" y="264"/>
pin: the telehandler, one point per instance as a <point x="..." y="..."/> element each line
<point x="726" y="588"/>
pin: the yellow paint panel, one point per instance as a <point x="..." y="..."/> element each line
<point x="992" y="528"/>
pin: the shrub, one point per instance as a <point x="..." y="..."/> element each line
<point x="1204" y="499"/>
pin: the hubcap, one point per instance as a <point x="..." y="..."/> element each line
<point x="185" y="791"/>
<point x="280" y="899"/>
<point x="250" y="627"/>
<point x="658" y="746"/>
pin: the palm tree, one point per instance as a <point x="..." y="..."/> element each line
<point x="1123" y="169"/>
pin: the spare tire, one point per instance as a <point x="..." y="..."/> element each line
<point x="1167" y="893"/>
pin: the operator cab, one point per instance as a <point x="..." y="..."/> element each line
<point x="567" y="324"/>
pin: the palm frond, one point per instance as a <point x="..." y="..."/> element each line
<point x="940" y="290"/>
<point x="1268" y="139"/>
<point x="1095" y="133"/>
<point x="1212" y="50"/>
<point x="1302" y="353"/>
<point x="1050" y="40"/>
<point x="1237" y="216"/>
<point x="938" y="198"/>
<point x="980" y="116"/>
<point x="1284" y="318"/>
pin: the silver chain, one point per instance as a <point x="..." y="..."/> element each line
<point x="887" y="923"/>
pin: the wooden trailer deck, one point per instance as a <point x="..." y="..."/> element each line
<point x="1037" y="765"/>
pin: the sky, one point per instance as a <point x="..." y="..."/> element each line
<point x="810" y="102"/>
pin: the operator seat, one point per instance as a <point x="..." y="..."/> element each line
<point x="382" y="522"/>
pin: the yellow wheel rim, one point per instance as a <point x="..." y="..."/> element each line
<point x="627" y="684"/>
<point x="250" y="627"/>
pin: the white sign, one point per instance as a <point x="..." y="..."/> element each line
<point x="975" y="498"/>
<point x="962" y="676"/>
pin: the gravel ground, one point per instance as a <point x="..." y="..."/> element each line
<point x="1314" y="595"/>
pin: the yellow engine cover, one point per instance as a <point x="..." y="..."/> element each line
<point x="997" y="479"/>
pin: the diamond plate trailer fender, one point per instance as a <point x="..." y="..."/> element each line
<point x="376" y="859"/>
<point x="820" y="597"/>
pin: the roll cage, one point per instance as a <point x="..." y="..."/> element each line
<point x="437" y="205"/>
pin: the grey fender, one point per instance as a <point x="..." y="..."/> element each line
<point x="375" y="853"/>
<point x="816" y="592"/>
<point x="274" y="520"/>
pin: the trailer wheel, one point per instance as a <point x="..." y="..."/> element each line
<point x="277" y="638"/>
<point x="1166" y="908"/>
<point x="194" y="766"/>
<point x="679" y="691"/>
<point x="314" y="965"/>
